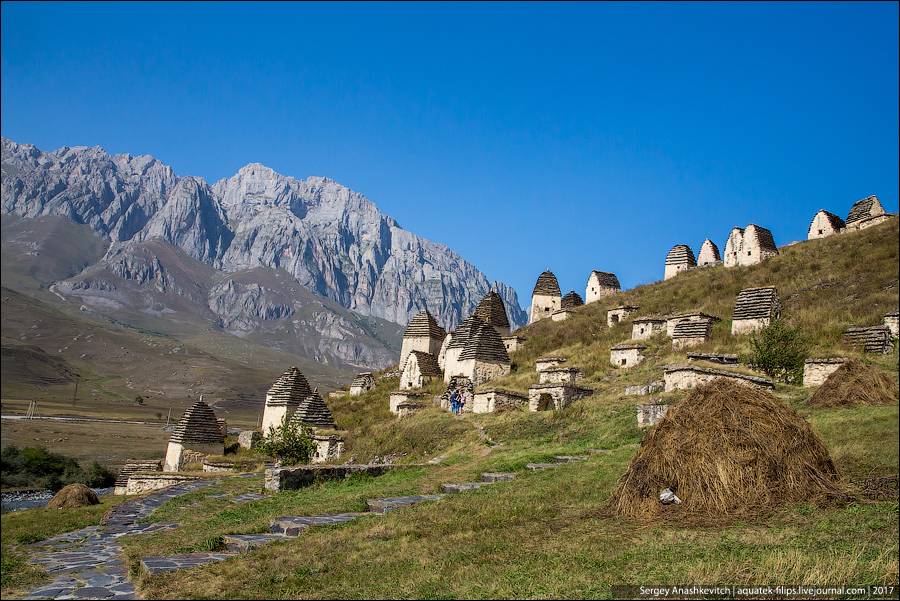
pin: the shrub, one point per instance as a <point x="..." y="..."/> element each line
<point x="289" y="443"/>
<point x="779" y="350"/>
<point x="39" y="468"/>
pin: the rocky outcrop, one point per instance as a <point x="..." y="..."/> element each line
<point x="330" y="239"/>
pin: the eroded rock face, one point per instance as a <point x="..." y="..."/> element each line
<point x="332" y="240"/>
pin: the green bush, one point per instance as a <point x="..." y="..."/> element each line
<point x="779" y="350"/>
<point x="289" y="443"/>
<point x="36" y="467"/>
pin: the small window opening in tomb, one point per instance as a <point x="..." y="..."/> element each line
<point x="615" y="318"/>
<point x="546" y="308"/>
<point x="749" y="252"/>
<point x="820" y="232"/>
<point x="642" y="330"/>
<point x="545" y="402"/>
<point x="624" y="361"/>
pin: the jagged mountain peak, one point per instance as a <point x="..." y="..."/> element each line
<point x="331" y="239"/>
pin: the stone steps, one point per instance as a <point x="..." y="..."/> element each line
<point x="170" y="563"/>
<point x="558" y="460"/>
<point x="462" y="487"/>
<point x="491" y="477"/>
<point x="241" y="543"/>
<point x="293" y="525"/>
<point x="394" y="503"/>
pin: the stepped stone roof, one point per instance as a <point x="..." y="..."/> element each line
<point x="133" y="466"/>
<point x="693" y="314"/>
<point x="546" y="285"/>
<point x="872" y="339"/>
<point x="700" y="328"/>
<point x="626" y="307"/>
<point x="428" y="363"/>
<point x="826" y="360"/>
<point x="423" y="325"/>
<point x="714" y="358"/>
<point x="198" y="425"/>
<point x="485" y="344"/>
<point x="720" y="372"/>
<point x="835" y="221"/>
<point x="465" y="329"/>
<point x="314" y="412"/>
<point x="363" y="379"/>
<point x="605" y="278"/>
<point x="649" y="319"/>
<point x="571" y="300"/>
<point x="681" y="254"/>
<point x="492" y="311"/>
<point x="763" y="237"/>
<point x="757" y="303"/>
<point x="709" y="251"/>
<point x="550" y="358"/>
<point x="503" y="391"/>
<point x="892" y="314"/>
<point x="289" y="389"/>
<point x="625" y="346"/>
<point x="864" y="208"/>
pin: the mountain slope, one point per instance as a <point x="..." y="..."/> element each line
<point x="330" y="239"/>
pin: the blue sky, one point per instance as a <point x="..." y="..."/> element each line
<point x="524" y="136"/>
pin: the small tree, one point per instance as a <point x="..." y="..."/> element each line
<point x="779" y="350"/>
<point x="290" y="442"/>
<point x="139" y="400"/>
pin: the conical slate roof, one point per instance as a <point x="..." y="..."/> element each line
<point x="198" y="425"/>
<point x="681" y="254"/>
<point x="571" y="300"/>
<point x="757" y="303"/>
<point x="461" y="334"/>
<point x="492" y="311"/>
<point x="314" y="412"/>
<point x="836" y="222"/>
<point x="423" y="325"/>
<point x="485" y="344"/>
<point x="288" y="390"/>
<point x="604" y="278"/>
<point x="709" y="252"/>
<point x="764" y="237"/>
<point x="546" y="285"/>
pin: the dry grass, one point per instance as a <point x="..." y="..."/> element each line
<point x="855" y="383"/>
<point x="727" y="450"/>
<point x="73" y="495"/>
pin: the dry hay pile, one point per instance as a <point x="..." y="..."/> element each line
<point x="73" y="495"/>
<point x="727" y="450"/>
<point x="855" y="383"/>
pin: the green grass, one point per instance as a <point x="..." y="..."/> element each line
<point x="25" y="527"/>
<point x="548" y="534"/>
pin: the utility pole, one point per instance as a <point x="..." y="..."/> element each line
<point x="168" y="417"/>
<point x="75" y="392"/>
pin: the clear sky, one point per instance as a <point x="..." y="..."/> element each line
<point x="526" y="137"/>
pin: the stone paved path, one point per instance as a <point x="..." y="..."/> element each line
<point x="87" y="563"/>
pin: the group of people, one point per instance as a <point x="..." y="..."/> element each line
<point x="458" y="399"/>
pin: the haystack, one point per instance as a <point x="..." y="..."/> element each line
<point x="727" y="450"/>
<point x="855" y="383"/>
<point x="73" y="495"/>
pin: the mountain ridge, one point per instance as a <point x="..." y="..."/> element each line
<point x="329" y="238"/>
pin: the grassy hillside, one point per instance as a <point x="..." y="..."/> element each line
<point x="548" y="534"/>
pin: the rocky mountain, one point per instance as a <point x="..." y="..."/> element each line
<point x="329" y="239"/>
